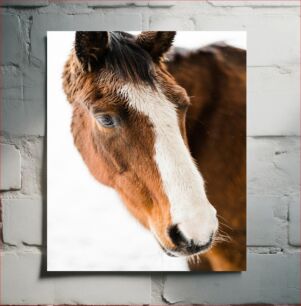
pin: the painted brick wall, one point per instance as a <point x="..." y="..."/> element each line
<point x="273" y="152"/>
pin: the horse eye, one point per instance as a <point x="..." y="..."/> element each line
<point x="107" y="120"/>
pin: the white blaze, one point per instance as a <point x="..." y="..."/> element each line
<point x="182" y="182"/>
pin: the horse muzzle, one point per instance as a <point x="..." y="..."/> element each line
<point x="185" y="246"/>
<point x="192" y="236"/>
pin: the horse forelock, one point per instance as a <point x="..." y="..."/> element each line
<point x="128" y="61"/>
<point x="125" y="62"/>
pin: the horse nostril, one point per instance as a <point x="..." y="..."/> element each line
<point x="187" y="246"/>
<point x="176" y="235"/>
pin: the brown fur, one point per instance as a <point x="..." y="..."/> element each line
<point x="215" y="78"/>
<point x="123" y="158"/>
<point x="120" y="158"/>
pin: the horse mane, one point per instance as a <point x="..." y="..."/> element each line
<point x="128" y="60"/>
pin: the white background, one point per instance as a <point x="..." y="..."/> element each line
<point x="88" y="227"/>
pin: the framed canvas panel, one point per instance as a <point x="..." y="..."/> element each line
<point x="146" y="151"/>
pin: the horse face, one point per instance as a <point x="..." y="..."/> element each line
<point x="129" y="126"/>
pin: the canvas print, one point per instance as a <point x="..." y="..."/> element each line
<point x="146" y="151"/>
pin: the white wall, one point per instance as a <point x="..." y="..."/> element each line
<point x="273" y="29"/>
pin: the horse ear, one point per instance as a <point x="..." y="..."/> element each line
<point x="156" y="43"/>
<point x="90" y="48"/>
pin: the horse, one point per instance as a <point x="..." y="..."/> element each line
<point x="157" y="130"/>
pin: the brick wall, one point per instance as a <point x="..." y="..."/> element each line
<point x="273" y="152"/>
